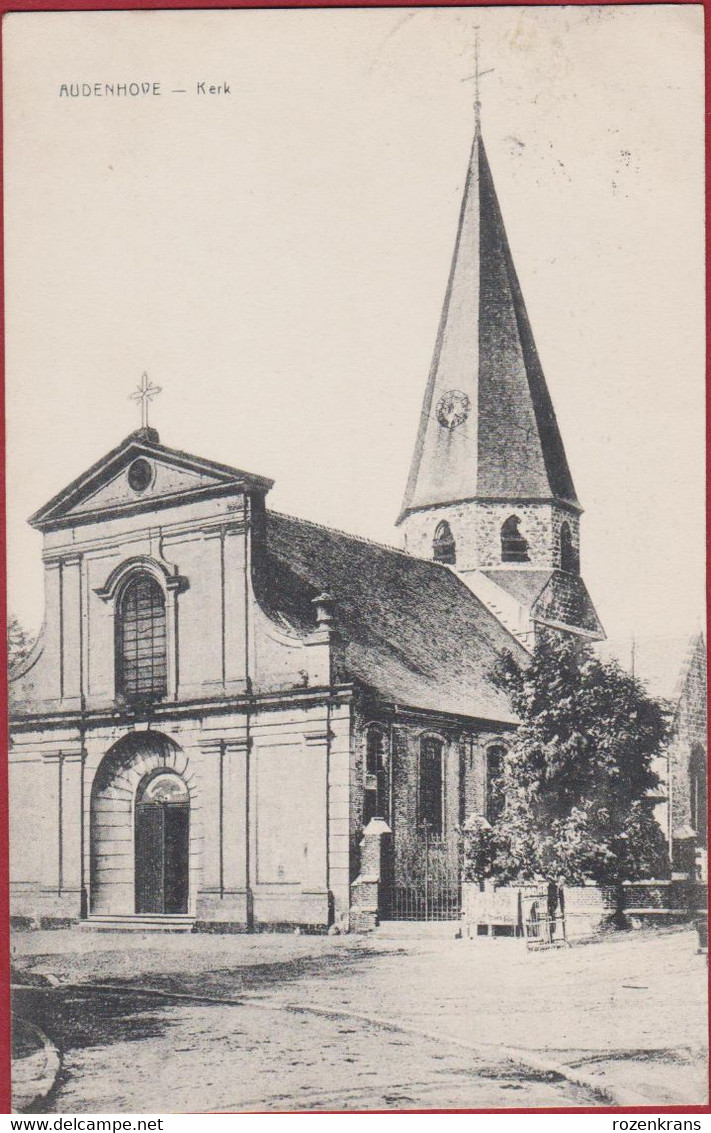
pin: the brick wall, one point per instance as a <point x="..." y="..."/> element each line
<point x="464" y="774"/>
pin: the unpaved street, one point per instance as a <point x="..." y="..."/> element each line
<point x="132" y="1054"/>
<point x="410" y="1021"/>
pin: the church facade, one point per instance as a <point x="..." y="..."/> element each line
<point x="222" y="696"/>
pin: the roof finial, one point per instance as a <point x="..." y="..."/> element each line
<point x="477" y="76"/>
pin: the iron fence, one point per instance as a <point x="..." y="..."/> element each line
<point x="425" y="882"/>
<point x="428" y="902"/>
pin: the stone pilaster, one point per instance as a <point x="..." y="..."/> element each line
<point x="225" y="894"/>
<point x="72" y="628"/>
<point x="314" y="826"/>
<point x="235" y="632"/>
<point x="368" y="889"/>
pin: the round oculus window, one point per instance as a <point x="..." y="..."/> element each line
<point x="140" y="475"/>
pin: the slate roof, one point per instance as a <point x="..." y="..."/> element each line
<point x="410" y="630"/>
<point x="524" y="585"/>
<point x="510" y="446"/>
<point x="554" y="598"/>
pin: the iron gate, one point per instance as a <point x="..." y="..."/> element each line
<point x="426" y="883"/>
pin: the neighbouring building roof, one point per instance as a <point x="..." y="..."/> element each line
<point x="409" y="629"/>
<point x="509" y="446"/>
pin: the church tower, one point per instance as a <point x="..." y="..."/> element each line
<point x="490" y="492"/>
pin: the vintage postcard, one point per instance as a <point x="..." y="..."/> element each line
<point x="356" y="558"/>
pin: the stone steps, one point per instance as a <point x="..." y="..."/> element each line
<point x="397" y="929"/>
<point x="138" y="922"/>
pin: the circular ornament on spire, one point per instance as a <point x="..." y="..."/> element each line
<point x="453" y="409"/>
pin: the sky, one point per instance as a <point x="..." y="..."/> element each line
<point x="276" y="258"/>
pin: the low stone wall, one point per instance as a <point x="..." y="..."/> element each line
<point x="500" y="910"/>
<point x="588" y="909"/>
<point x="488" y="909"/>
<point x="657" y="896"/>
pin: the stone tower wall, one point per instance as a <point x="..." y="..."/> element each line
<point x="476" y="527"/>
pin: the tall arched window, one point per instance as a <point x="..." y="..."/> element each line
<point x="698" y="794"/>
<point x="141" y="640"/>
<point x="494" y="771"/>
<point x="444" y="549"/>
<point x="431" y="808"/>
<point x="568" y="553"/>
<point x="376" y="801"/>
<point x="514" y="548"/>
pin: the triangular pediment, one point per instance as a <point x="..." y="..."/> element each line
<point x="140" y="475"/>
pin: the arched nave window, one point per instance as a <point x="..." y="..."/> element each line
<point x="431" y="794"/>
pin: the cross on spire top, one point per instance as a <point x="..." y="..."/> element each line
<point x="144" y="394"/>
<point x="476" y="77"/>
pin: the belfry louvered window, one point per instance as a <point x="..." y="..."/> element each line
<point x="141" y="640"/>
<point x="444" y="549"/>
<point x="514" y="548"/>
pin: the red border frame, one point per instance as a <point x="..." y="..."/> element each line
<point x="169" y="5"/>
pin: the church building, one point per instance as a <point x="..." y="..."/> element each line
<point x="222" y="696"/>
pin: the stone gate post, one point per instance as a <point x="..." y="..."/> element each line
<point x="369" y="888"/>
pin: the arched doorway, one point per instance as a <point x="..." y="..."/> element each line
<point x="140" y="860"/>
<point x="162" y="844"/>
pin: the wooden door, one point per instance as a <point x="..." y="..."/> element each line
<point x="162" y="857"/>
<point x="175" y="858"/>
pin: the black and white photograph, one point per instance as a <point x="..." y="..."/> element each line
<point x="355" y="460"/>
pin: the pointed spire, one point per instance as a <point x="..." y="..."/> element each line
<point x="487" y="429"/>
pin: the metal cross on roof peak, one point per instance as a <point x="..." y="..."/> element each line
<point x="144" y="394"/>
<point x="477" y="76"/>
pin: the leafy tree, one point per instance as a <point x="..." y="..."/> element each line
<point x="578" y="776"/>
<point x="19" y="644"/>
<point x="479" y="849"/>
